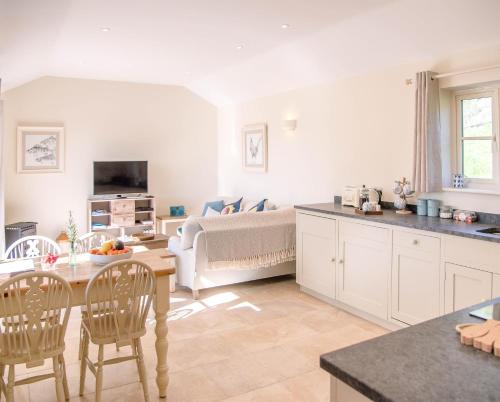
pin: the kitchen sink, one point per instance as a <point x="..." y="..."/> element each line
<point x="493" y="231"/>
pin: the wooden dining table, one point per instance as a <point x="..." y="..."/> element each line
<point x="161" y="261"/>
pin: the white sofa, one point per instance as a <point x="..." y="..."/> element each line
<point x="192" y="267"/>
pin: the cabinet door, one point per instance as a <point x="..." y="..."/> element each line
<point x="316" y="246"/>
<point x="415" y="278"/>
<point x="364" y="266"/>
<point x="465" y="287"/>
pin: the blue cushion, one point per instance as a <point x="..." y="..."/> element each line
<point x="215" y="205"/>
<point x="236" y="205"/>
<point x="259" y="207"/>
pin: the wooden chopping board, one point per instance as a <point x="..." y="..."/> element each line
<point x="484" y="336"/>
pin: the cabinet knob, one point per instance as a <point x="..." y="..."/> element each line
<point x="415" y="242"/>
<point x="333" y="259"/>
<point x="341" y="261"/>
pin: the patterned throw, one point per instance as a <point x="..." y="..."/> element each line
<point x="250" y="241"/>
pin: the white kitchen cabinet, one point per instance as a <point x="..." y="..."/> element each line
<point x="465" y="287"/>
<point x="363" y="267"/>
<point x="415" y="277"/>
<point x="316" y="252"/>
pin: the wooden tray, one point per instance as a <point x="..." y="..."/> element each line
<point x="361" y="212"/>
<point x="143" y="237"/>
<point x="485" y="336"/>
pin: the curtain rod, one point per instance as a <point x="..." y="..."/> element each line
<point x="472" y="70"/>
<point x="409" y="81"/>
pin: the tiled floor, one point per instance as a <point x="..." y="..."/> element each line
<point x="257" y="341"/>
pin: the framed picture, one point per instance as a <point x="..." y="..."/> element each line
<point x="255" y="147"/>
<point x="40" y="149"/>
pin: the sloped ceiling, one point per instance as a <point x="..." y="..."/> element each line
<point x="194" y="42"/>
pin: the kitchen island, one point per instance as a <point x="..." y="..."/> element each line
<point x="425" y="362"/>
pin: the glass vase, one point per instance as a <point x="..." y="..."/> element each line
<point x="72" y="256"/>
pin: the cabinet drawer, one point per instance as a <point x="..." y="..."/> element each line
<point x="123" y="220"/>
<point x="472" y="253"/>
<point x="367" y="232"/>
<point x="416" y="241"/>
<point x="122" y="207"/>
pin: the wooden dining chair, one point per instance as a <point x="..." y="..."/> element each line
<point x="34" y="313"/>
<point x="31" y="247"/>
<point x="119" y="297"/>
<point x="92" y="240"/>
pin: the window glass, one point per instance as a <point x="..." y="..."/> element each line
<point x="477" y="159"/>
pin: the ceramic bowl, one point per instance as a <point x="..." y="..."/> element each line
<point x="106" y="259"/>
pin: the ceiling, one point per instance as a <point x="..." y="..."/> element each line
<point x="195" y="42"/>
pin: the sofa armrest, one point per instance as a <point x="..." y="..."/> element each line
<point x="200" y="249"/>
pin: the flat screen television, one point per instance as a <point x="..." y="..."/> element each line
<point x="125" y="177"/>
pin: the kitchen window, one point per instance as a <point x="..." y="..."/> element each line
<point x="477" y="137"/>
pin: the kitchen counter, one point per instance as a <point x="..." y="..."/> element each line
<point x="431" y="224"/>
<point x="425" y="362"/>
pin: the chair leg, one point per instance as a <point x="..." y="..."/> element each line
<point x="141" y="367"/>
<point x="59" y="380"/>
<point x="196" y="294"/>
<point x="80" y="349"/>
<point x="10" y="384"/>
<point x="65" y="376"/>
<point x="2" y="382"/>
<point x="98" y="380"/>
<point x="83" y="363"/>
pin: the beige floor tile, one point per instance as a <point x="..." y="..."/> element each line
<point x="309" y="387"/>
<point x="272" y="393"/>
<point x="205" y="349"/>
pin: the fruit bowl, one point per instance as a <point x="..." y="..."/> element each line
<point x="103" y="259"/>
<point x="110" y="251"/>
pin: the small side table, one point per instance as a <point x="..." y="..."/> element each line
<point x="167" y="225"/>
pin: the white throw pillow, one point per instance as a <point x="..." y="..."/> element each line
<point x="269" y="206"/>
<point x="248" y="204"/>
<point x="211" y="212"/>
<point x="189" y="230"/>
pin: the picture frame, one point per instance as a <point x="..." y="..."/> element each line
<point x="40" y="149"/>
<point x="254" y="139"/>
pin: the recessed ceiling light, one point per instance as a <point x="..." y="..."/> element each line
<point x="239" y="47"/>
<point x="105" y="29"/>
<point x="285" y="26"/>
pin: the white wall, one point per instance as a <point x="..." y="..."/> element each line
<point x="354" y="131"/>
<point x="172" y="128"/>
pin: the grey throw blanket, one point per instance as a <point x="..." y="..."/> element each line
<point x="250" y="240"/>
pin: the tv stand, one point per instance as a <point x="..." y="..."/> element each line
<point x="121" y="215"/>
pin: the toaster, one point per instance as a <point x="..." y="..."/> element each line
<point x="351" y="194"/>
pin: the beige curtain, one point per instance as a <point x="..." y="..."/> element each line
<point x="2" y="188"/>
<point x="427" y="174"/>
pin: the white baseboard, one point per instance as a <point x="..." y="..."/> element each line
<point x="390" y="325"/>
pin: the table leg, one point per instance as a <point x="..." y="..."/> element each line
<point x="172" y="283"/>
<point x="161" y="306"/>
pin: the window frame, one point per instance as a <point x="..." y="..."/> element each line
<point x="474" y="93"/>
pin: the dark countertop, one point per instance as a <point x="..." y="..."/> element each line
<point x="425" y="362"/>
<point x="431" y="224"/>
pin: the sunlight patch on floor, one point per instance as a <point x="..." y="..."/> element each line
<point x="186" y="311"/>
<point x="220" y="298"/>
<point x="245" y="305"/>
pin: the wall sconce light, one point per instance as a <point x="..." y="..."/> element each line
<point x="289" y="125"/>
